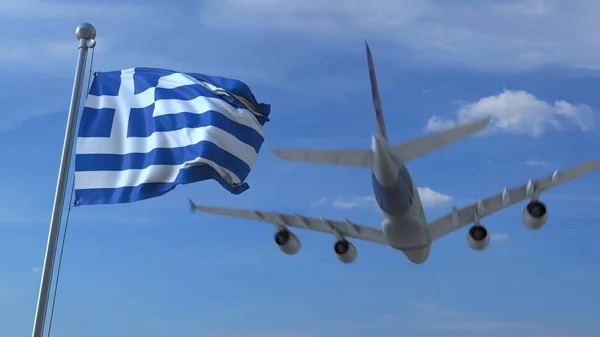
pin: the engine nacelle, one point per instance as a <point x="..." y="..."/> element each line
<point x="478" y="238"/>
<point x="287" y="242"/>
<point x="535" y="215"/>
<point x="345" y="251"/>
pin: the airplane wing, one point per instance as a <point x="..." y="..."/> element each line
<point x="465" y="216"/>
<point x="345" y="228"/>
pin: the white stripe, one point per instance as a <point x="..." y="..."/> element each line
<point x="119" y="144"/>
<point x="177" y="80"/>
<point x="173" y="80"/>
<point x="198" y="105"/>
<point x="202" y="104"/>
<point x="180" y="79"/>
<point x="152" y="174"/>
<point x="126" y="100"/>
<point x="168" y="140"/>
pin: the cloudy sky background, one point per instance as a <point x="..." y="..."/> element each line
<point x="153" y="269"/>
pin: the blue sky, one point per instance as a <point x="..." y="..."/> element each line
<point x="153" y="269"/>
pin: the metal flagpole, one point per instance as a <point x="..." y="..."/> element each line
<point x="85" y="33"/>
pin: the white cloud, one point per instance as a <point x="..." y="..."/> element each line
<point x="520" y="112"/>
<point x="36" y="269"/>
<point x="489" y="34"/>
<point x="531" y="56"/>
<point x="18" y="215"/>
<point x="429" y="197"/>
<point x="388" y="318"/>
<point x="268" y="334"/>
<point x="483" y="326"/>
<point x="42" y="33"/>
<point x="431" y="316"/>
<point x="437" y="123"/>
<point x="435" y="309"/>
<point x="576" y="198"/>
<point x="510" y="34"/>
<point x="499" y="237"/>
<point x="536" y="162"/>
<point x="499" y="35"/>
<point x="345" y="203"/>
<point x="60" y="10"/>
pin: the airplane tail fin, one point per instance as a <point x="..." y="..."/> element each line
<point x="375" y="93"/>
<point x="405" y="151"/>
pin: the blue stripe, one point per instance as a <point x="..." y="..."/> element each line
<point x="162" y="156"/>
<point x="142" y="124"/>
<point x="192" y="91"/>
<point x="96" y="122"/>
<point x="152" y="190"/>
<point x="231" y="85"/>
<point x="239" y="88"/>
<point x="106" y="83"/>
<point x="146" y="78"/>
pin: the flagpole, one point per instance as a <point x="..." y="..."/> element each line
<point x="85" y="33"/>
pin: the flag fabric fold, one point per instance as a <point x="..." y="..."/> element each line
<point x="143" y="131"/>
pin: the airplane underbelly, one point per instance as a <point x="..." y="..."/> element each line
<point x="418" y="255"/>
<point x="408" y="235"/>
<point x="405" y="232"/>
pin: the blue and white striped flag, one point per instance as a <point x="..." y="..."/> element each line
<point x="144" y="131"/>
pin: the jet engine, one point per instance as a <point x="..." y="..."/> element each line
<point x="287" y="242"/>
<point x="345" y="251"/>
<point x="535" y="215"/>
<point x="478" y="238"/>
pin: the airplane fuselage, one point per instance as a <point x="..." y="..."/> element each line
<point x="404" y="222"/>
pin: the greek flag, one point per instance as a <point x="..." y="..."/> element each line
<point x="143" y="131"/>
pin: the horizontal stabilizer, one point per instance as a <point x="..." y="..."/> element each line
<point x="429" y="143"/>
<point x="358" y="158"/>
<point x="404" y="152"/>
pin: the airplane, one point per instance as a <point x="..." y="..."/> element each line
<point x="404" y="226"/>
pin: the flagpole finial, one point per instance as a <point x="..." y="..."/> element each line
<point x="85" y="31"/>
